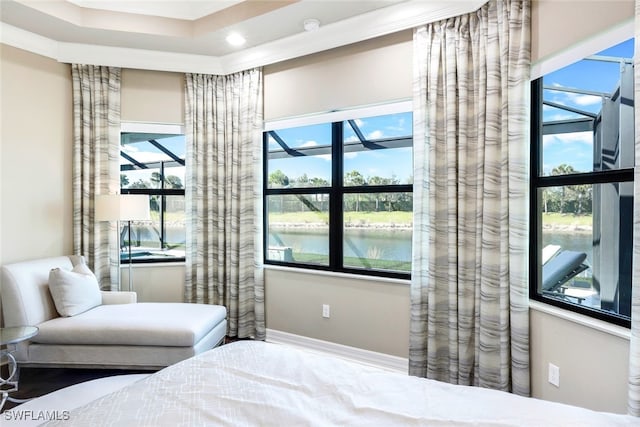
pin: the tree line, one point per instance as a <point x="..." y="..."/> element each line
<point x="570" y="199"/>
<point x="352" y="202"/>
<point x="170" y="181"/>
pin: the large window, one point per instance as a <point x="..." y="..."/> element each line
<point x="582" y="185"/>
<point x="338" y="194"/>
<point x="152" y="162"/>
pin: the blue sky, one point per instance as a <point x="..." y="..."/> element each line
<point x="386" y="163"/>
<point x="577" y="149"/>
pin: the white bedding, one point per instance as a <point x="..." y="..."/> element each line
<point x="261" y="384"/>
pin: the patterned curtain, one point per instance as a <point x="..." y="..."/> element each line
<point x="96" y="153"/>
<point x="469" y="290"/>
<point x="633" y="405"/>
<point x="223" y="196"/>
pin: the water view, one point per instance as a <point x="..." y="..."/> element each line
<point x="392" y="245"/>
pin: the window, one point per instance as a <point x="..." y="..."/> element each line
<point x="339" y="193"/>
<point x="152" y="162"/>
<point x="582" y="185"/>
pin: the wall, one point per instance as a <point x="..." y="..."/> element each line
<point x="365" y="313"/>
<point x="371" y="72"/>
<point x="559" y="25"/>
<point x="152" y="97"/>
<point x="593" y="360"/>
<point x="36" y="155"/>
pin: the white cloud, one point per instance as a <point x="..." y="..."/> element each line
<point x="144" y="156"/>
<point x="584" y="100"/>
<point x="585" y="138"/>
<point x="376" y="134"/>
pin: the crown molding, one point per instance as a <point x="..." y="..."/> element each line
<point x="377" y="23"/>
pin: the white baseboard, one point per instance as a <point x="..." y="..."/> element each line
<point x="381" y="360"/>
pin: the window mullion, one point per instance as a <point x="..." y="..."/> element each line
<point x="335" y="197"/>
<point x="163" y="201"/>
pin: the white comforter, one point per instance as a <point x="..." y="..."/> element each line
<point x="260" y="384"/>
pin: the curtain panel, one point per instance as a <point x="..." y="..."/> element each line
<point x="469" y="291"/>
<point x="633" y="404"/>
<point x="96" y="154"/>
<point x="223" y="196"/>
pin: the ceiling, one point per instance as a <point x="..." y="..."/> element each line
<point x="190" y="35"/>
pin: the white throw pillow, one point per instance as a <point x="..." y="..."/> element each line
<point x="74" y="291"/>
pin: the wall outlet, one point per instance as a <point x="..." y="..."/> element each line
<point x="326" y="311"/>
<point x="554" y="375"/>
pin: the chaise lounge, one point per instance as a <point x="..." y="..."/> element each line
<point x="117" y="332"/>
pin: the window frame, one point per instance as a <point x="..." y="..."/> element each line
<point x="538" y="181"/>
<point x="336" y="190"/>
<point x="153" y="128"/>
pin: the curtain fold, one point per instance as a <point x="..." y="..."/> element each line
<point x="96" y="154"/>
<point x="633" y="404"/>
<point x="223" y="197"/>
<point x="469" y="290"/>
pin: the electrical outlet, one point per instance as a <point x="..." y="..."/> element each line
<point x="326" y="311"/>
<point x="554" y="375"/>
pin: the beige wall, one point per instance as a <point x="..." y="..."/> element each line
<point x="594" y="365"/>
<point x="364" y="313"/>
<point x="371" y="72"/>
<point x="36" y="144"/>
<point x="152" y="97"/>
<point x="559" y="24"/>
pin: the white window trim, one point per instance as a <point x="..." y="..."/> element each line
<point x="340" y="115"/>
<point x="581" y="319"/>
<point x="140" y="127"/>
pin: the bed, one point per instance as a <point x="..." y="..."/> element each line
<point x="250" y="383"/>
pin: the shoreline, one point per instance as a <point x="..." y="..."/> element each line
<point x="557" y="228"/>
<point x="567" y="228"/>
<point x="348" y="226"/>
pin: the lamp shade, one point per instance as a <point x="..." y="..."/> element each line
<point x="134" y="207"/>
<point x="122" y="207"/>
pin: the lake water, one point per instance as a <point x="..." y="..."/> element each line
<point x="392" y="245"/>
<point x="396" y="244"/>
<point x="580" y="242"/>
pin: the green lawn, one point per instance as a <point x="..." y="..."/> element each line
<point x="376" y="264"/>
<point x="397" y="218"/>
<point x="384" y="217"/>
<point x="555" y="218"/>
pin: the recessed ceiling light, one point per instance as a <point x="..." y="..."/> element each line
<point x="311" y="24"/>
<point x="235" y="39"/>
